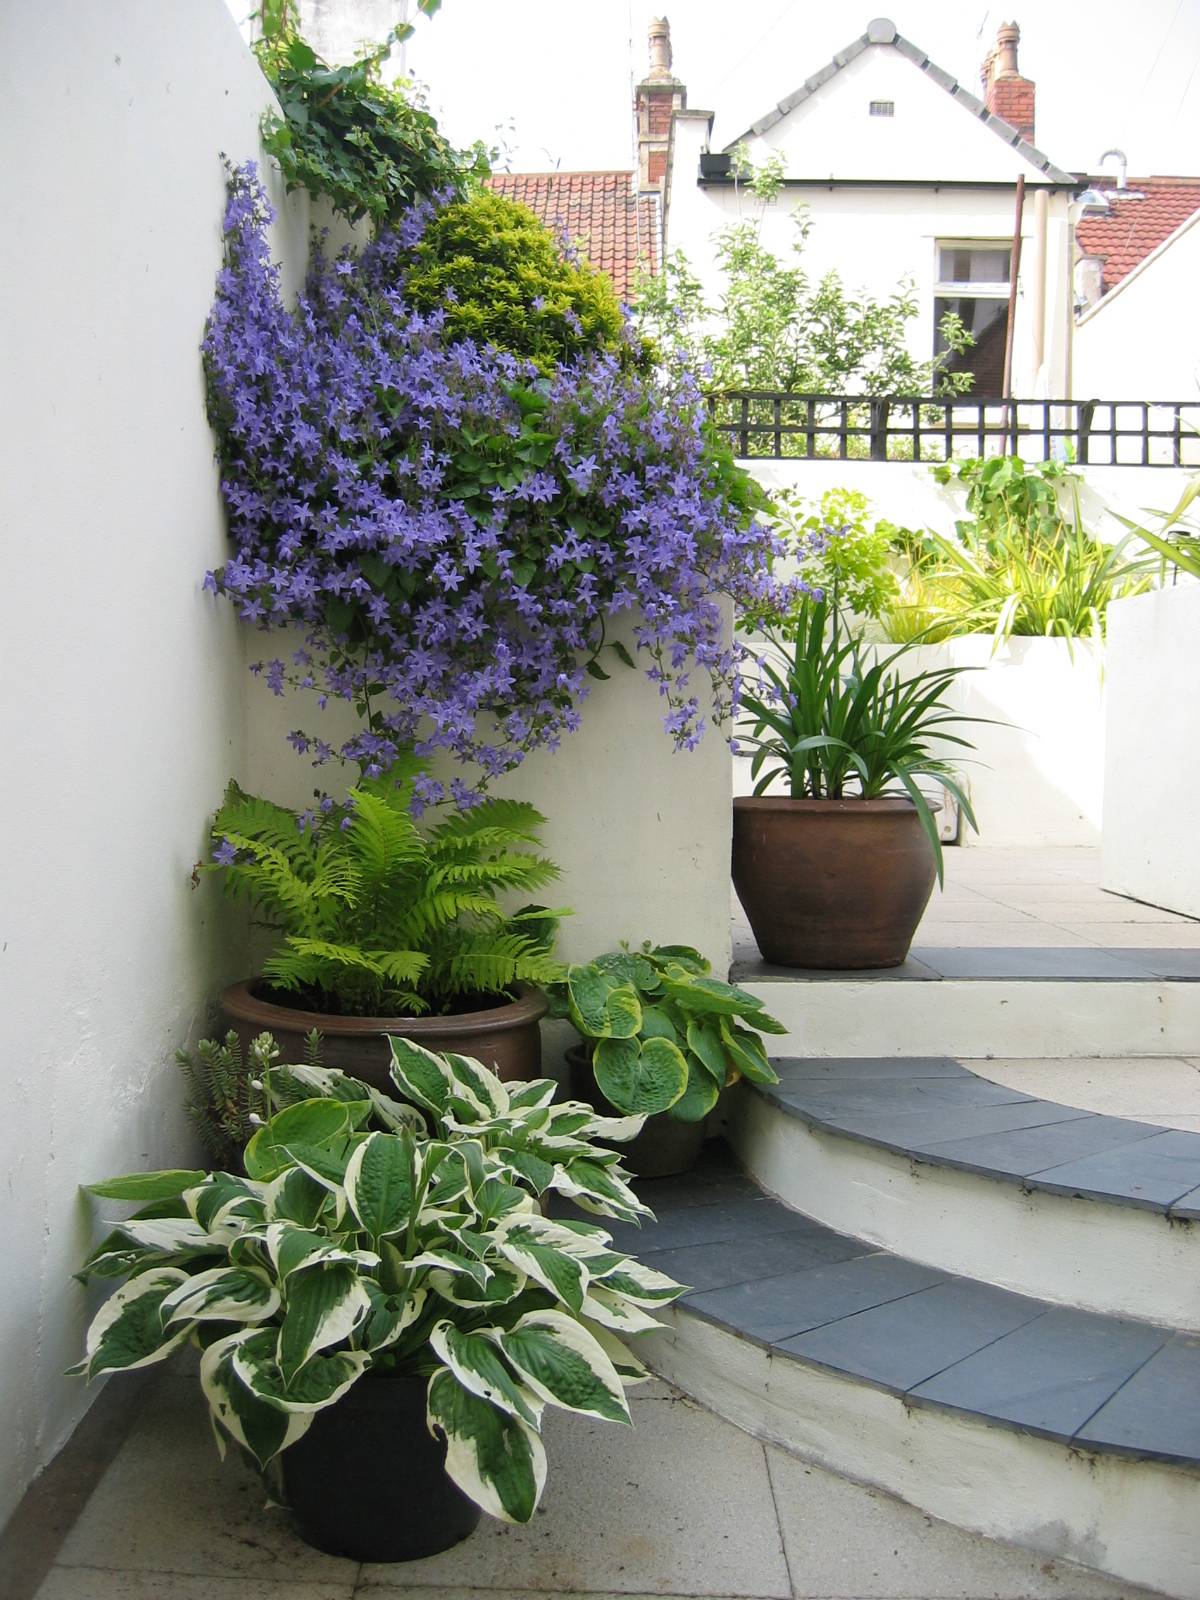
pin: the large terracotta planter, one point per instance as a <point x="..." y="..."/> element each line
<point x="831" y="883"/>
<point x="665" y="1145"/>
<point x="505" y="1037"/>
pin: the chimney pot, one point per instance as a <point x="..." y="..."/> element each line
<point x="660" y="50"/>
<point x="1006" y="92"/>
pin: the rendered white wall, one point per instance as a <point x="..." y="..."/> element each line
<point x="1152" y="773"/>
<point x="122" y="698"/>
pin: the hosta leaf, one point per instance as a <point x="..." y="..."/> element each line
<point x="657" y="1024"/>
<point x="310" y="1124"/>
<point x="614" y="1311"/>
<point x="493" y="1457"/>
<point x="615" y="1130"/>
<point x="682" y="955"/>
<point x="640" y="1079"/>
<point x="531" y="1246"/>
<point x="478" y="1083"/>
<point x="585" y="1181"/>
<point x="175" y="1236"/>
<point x="420" y="1075"/>
<point x="641" y="1284"/>
<point x="504" y="1285"/>
<point x="261" y="1429"/>
<point x="478" y="1366"/>
<point x="561" y="1362"/>
<point x="711" y="997"/>
<point x="536" y="1171"/>
<point x="700" y="1096"/>
<point x="294" y="1196"/>
<point x="145" y="1186"/>
<point x="379" y="1183"/>
<point x="705" y="1042"/>
<point x="325" y="1304"/>
<point x="223" y="1294"/>
<point x="390" y="1315"/>
<point x="321" y="1381"/>
<point x="532" y="1096"/>
<point x="748" y="1054"/>
<point x="223" y="1198"/>
<point x="127" y="1331"/>
<point x="601" y="1006"/>
<point x="626" y="1365"/>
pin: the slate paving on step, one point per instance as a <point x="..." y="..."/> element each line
<point x="998" y="963"/>
<point x="937" y="1110"/>
<point x="1105" y="1384"/>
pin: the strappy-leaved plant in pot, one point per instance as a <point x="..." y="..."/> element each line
<point x="661" y="1037"/>
<point x="382" y="1308"/>
<point x="386" y="925"/>
<point x="835" y="871"/>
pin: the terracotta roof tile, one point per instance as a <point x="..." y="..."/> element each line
<point x="614" y="227"/>
<point x="1133" y="228"/>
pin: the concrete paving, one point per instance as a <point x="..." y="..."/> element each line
<point x="684" y="1505"/>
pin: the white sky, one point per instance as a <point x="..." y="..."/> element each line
<point x="558" y="72"/>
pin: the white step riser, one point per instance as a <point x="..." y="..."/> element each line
<point x="956" y="1017"/>
<point x="1117" y="1259"/>
<point x="1134" y="1520"/>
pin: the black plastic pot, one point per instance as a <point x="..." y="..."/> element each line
<point x="665" y="1145"/>
<point x="368" y="1480"/>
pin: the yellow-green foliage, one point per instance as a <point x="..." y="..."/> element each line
<point x="502" y="279"/>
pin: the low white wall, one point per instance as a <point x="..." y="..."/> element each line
<point x="1152" y="774"/>
<point x="122" y="695"/>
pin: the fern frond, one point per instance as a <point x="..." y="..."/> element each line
<point x="497" y="964"/>
<point x="441" y="909"/>
<point x="271" y="882"/>
<point x="501" y="872"/>
<point x="380" y="838"/>
<point x="261" y="820"/>
<point x="517" y="819"/>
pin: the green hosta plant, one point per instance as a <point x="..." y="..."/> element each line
<point x="378" y="916"/>
<point x="663" y="1035"/>
<point x="369" y="1235"/>
<point x="833" y="719"/>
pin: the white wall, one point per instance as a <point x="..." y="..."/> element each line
<point x="1141" y="341"/>
<point x="1152" y="774"/>
<point x="121" y="691"/>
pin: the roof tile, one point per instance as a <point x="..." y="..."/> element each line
<point x="1133" y="228"/>
<point x="615" y="228"/>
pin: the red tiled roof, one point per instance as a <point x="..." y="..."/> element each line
<point x="1133" y="228"/>
<point x="601" y="212"/>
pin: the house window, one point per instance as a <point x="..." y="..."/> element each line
<point x="883" y="108"/>
<point x="972" y="280"/>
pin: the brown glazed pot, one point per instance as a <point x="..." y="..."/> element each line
<point x="504" y="1037"/>
<point x="665" y="1145"/>
<point x="831" y="883"/>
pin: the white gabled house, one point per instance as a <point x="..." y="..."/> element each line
<point x="904" y="174"/>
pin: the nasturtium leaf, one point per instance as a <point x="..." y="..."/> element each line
<point x="561" y="1362"/>
<point x="145" y="1186"/>
<point x="477" y="1364"/>
<point x="492" y="1456"/>
<point x="639" y="1079"/>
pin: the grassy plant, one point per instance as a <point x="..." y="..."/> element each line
<point x="1175" y="540"/>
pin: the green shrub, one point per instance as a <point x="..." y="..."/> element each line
<point x="840" y="548"/>
<point x="502" y="279"/>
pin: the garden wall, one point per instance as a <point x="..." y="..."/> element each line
<point x="122" y="691"/>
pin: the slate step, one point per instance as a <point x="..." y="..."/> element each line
<point x="927" y="1157"/>
<point x="1075" y="1433"/>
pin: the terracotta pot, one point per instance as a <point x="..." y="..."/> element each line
<point x="831" y="883"/>
<point x="368" y="1479"/>
<point x="504" y="1037"/>
<point x="665" y="1145"/>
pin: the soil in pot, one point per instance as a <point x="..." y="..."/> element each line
<point x="368" y="1480"/>
<point x="504" y="1035"/>
<point x="665" y="1145"/>
<point x="831" y="884"/>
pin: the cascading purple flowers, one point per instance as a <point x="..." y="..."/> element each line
<point x="450" y="529"/>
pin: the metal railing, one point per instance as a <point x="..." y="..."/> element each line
<point x="765" y="425"/>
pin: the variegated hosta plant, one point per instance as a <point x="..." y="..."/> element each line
<point x="369" y="1235"/>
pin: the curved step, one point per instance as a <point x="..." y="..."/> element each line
<point x="1059" y="1430"/>
<point x="928" y="1158"/>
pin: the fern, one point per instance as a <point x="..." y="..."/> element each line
<point x="379" y="916"/>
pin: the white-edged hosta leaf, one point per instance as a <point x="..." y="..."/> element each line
<point x="177" y="1236"/>
<point x="314" y="1123"/>
<point x="296" y="1197"/>
<point x="326" y="1302"/>
<point x="319" y="1383"/>
<point x="116" y="1256"/>
<point x="422" y="1076"/>
<point x="380" y="1183"/>
<point x="619" y="1129"/>
<point x="395" y="1115"/>
<point x="223" y="1199"/>
<point x="261" y="1429"/>
<point x="531" y="1245"/>
<point x="639" y="1283"/>
<point x="494" y="1458"/>
<point x="615" y="1312"/>
<point x="477" y="1364"/>
<point x="536" y="1171"/>
<point x="127" y="1331"/>
<point x="390" y="1315"/>
<point x="560" y="1361"/>
<point x="223" y="1294"/>
<point x="533" y="1095"/>
<point x="626" y="1365"/>
<point x="145" y="1186"/>
<point x="584" y="1181"/>
<point x="290" y="1247"/>
<point x="478" y="1084"/>
<point x="453" y="1261"/>
<point x="504" y="1284"/>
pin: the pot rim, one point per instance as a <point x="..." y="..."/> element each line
<point x="850" y="805"/>
<point x="241" y="1003"/>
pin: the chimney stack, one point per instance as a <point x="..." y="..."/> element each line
<point x="1005" y="91"/>
<point x="659" y="95"/>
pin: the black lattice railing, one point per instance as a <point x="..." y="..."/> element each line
<point x="760" y="424"/>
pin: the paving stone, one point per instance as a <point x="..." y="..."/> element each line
<point x="679" y="1505"/>
<point x="94" y="1583"/>
<point x="921" y="1131"/>
<point x="776" y="1309"/>
<point x="1159" y="1089"/>
<point x="1027" y="1150"/>
<point x="715" y="1266"/>
<point x="1034" y="964"/>
<point x="794" y="1070"/>
<point x="839" y="1096"/>
<point x="1187" y="1205"/>
<point x="844" y="1539"/>
<point x="715" y="1180"/>
<point x="1146" y="1414"/>
<point x="1051" y="1374"/>
<point x="736" y="1219"/>
<point x="1170" y="963"/>
<point x="1155" y="1172"/>
<point x="749" y="967"/>
<point x="909" y="1340"/>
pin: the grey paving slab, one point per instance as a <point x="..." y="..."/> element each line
<point x="1187" y="1206"/>
<point x="909" y="1340"/>
<point x="680" y="1504"/>
<point x="735" y="1219"/>
<point x="1024" y="1151"/>
<point x="846" y="1094"/>
<point x="1157" y="1412"/>
<point x="749" y="967"/>
<point x="1035" y="964"/>
<point x="916" y="1132"/>
<point x="795" y="1070"/>
<point x="715" y="1266"/>
<point x="1154" y="1172"/>
<point x="1050" y="1375"/>
<point x="1165" y="963"/>
<point x="844" y="1539"/>
<point x="716" y="1181"/>
<point x="94" y="1583"/>
<point x="775" y="1309"/>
